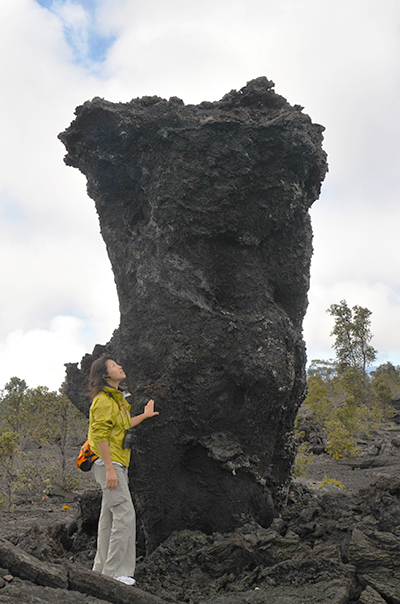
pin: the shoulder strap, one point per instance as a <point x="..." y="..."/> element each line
<point x="110" y="394"/>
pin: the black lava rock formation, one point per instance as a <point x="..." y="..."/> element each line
<point x="204" y="212"/>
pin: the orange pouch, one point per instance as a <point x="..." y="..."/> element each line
<point x="86" y="458"/>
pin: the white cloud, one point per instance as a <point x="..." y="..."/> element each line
<point x="56" y="262"/>
<point x="76" y="22"/>
<point x="380" y="298"/>
<point x="340" y="60"/>
<point x="38" y="355"/>
<point x="355" y="258"/>
<point x="84" y="32"/>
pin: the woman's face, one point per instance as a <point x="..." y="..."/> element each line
<point x="114" y="371"/>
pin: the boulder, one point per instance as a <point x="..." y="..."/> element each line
<point x="370" y="596"/>
<point x="376" y="556"/>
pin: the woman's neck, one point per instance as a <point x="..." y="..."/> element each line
<point x="113" y="383"/>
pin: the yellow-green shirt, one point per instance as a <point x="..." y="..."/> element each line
<point x="109" y="418"/>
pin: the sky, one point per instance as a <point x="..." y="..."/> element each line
<point x="339" y="59"/>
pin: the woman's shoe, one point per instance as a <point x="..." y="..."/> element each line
<point x="126" y="580"/>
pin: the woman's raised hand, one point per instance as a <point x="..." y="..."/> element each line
<point x="149" y="409"/>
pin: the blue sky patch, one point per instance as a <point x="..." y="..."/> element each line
<point x="90" y="47"/>
<point x="45" y="3"/>
<point x="89" y="5"/>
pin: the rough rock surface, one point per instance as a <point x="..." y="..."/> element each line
<point x="329" y="546"/>
<point x="204" y="212"/>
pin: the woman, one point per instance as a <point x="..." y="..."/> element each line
<point x="109" y="418"/>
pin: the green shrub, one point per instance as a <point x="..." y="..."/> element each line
<point x="348" y="403"/>
<point x="303" y="460"/>
<point x="9" y="458"/>
<point x="333" y="481"/>
<point x="341" y="441"/>
<point x="50" y="419"/>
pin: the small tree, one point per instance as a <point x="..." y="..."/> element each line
<point x="327" y="370"/>
<point x="386" y="384"/>
<point x="13" y="411"/>
<point x="50" y="419"/>
<point x="353" y="335"/>
<point x="57" y="422"/>
<point x="65" y="424"/>
<point x="346" y="403"/>
<point x="8" y="463"/>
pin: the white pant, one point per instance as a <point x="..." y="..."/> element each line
<point x="116" y="539"/>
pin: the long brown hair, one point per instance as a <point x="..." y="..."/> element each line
<point x="96" y="377"/>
